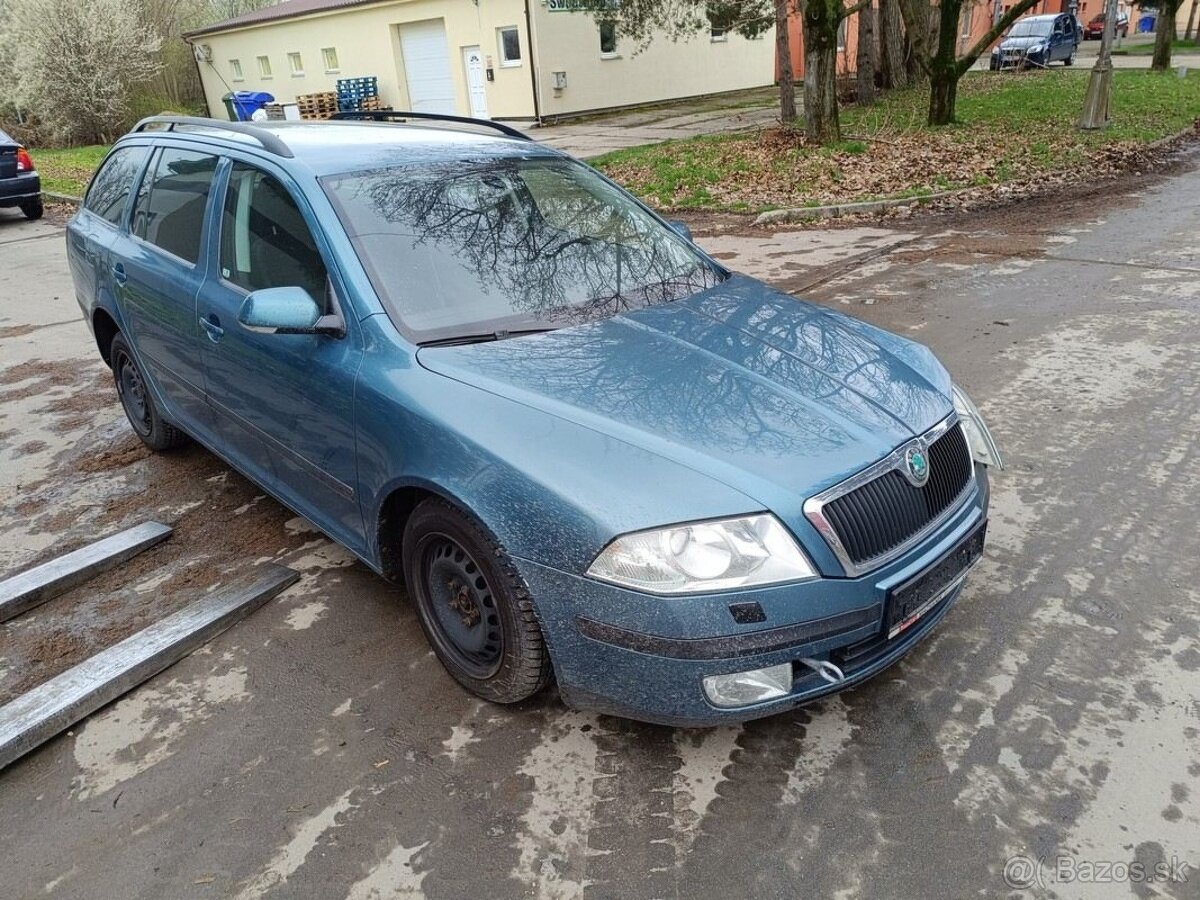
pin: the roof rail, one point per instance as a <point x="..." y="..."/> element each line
<point x="269" y="140"/>
<point x="395" y="115"/>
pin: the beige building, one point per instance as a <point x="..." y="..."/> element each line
<point x="500" y="59"/>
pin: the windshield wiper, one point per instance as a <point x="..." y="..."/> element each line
<point x="483" y="337"/>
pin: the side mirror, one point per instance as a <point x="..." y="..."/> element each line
<point x="681" y="229"/>
<point x="287" y="310"/>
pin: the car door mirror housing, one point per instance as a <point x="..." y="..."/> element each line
<point x="287" y="310"/>
<point x="681" y="229"/>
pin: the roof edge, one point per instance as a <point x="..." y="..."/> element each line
<point x="271" y="14"/>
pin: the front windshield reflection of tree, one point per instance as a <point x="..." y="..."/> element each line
<point x="546" y="241"/>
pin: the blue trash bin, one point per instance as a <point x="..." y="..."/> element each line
<point x="246" y="102"/>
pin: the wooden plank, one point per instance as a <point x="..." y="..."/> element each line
<point x="38" y="715"/>
<point x="41" y="583"/>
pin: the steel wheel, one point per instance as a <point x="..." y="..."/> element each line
<point x="473" y="604"/>
<point x="137" y="400"/>
<point x="132" y="391"/>
<point x="463" y="605"/>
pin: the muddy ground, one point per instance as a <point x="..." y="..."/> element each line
<point x="318" y="750"/>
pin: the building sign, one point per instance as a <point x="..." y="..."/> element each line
<point x="581" y="5"/>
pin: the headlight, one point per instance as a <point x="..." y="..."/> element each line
<point x="979" y="439"/>
<point x="1037" y="48"/>
<point x="698" y="557"/>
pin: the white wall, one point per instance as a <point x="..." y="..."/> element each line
<point x="570" y="42"/>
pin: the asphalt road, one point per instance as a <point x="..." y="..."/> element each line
<point x="318" y="750"/>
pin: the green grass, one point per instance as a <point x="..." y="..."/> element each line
<point x="67" y="171"/>
<point x="1011" y="127"/>
<point x="1148" y="49"/>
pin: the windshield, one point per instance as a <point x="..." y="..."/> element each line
<point x="1031" y="29"/>
<point x="461" y="249"/>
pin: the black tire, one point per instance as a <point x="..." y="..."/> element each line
<point x="474" y="607"/>
<point x="1070" y="60"/>
<point x="138" y="401"/>
<point x="33" y="209"/>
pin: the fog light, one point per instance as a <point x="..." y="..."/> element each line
<point x="745" y="688"/>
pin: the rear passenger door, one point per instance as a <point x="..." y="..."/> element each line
<point x="157" y="267"/>
<point x="91" y="232"/>
<point x="284" y="402"/>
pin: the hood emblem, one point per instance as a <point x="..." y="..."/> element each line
<point x="916" y="464"/>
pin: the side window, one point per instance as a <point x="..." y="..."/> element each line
<point x="265" y="242"/>
<point x="169" y="210"/>
<point x="112" y="184"/>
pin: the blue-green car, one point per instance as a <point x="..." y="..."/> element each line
<point x="593" y="454"/>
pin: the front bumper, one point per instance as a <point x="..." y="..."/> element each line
<point x="642" y="657"/>
<point x="20" y="189"/>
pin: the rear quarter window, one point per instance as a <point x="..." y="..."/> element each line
<point x="111" y="187"/>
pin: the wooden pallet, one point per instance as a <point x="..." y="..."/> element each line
<point x="321" y="105"/>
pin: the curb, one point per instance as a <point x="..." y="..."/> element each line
<point x="834" y="210"/>
<point x="62" y="198"/>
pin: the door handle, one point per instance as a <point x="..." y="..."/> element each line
<point x="119" y="275"/>
<point x="212" y="326"/>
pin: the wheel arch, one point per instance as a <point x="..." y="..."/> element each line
<point x="393" y="514"/>
<point x="104" y="328"/>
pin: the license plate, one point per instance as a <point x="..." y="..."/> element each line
<point x="917" y="596"/>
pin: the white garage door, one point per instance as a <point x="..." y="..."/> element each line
<point x="427" y="67"/>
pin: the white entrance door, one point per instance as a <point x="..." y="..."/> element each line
<point x="476" y="84"/>
<point x="427" y="67"/>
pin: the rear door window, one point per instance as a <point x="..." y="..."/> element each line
<point x="169" y="211"/>
<point x="113" y="183"/>
<point x="265" y="242"/>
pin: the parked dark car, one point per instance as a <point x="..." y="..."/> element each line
<point x="1038" y="41"/>
<point x="20" y="184"/>
<point x="591" y="452"/>
<point x="1095" y="27"/>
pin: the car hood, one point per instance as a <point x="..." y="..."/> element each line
<point x="1023" y="43"/>
<point x="752" y="387"/>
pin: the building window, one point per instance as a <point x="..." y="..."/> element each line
<point x="296" y="64"/>
<point x="329" y="54"/>
<point x="235" y="69"/>
<point x="967" y="16"/>
<point x="721" y="19"/>
<point x="608" y="40"/>
<point x="841" y="36"/>
<point x="510" y="45"/>
<point x="264" y="66"/>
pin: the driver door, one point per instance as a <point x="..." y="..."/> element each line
<point x="284" y="403"/>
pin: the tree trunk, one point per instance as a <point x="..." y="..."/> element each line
<point x="943" y="92"/>
<point x="912" y="61"/>
<point x="865" y="61"/>
<point x="891" y="46"/>
<point x="944" y="69"/>
<point x="821" y="20"/>
<point x="783" y="53"/>
<point x="1189" y="34"/>
<point x="1164" y="34"/>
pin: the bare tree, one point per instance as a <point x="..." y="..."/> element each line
<point x="937" y="53"/>
<point x="78" y="64"/>
<point x="1191" y="22"/>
